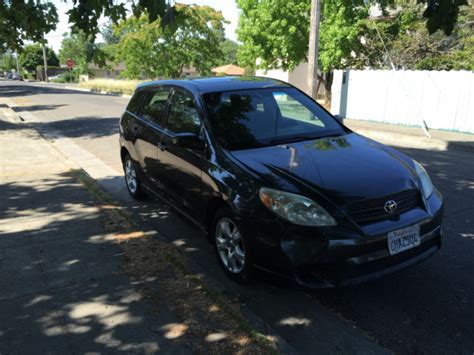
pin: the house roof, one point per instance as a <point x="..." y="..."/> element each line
<point x="229" y="69"/>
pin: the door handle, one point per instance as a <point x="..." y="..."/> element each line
<point x="162" y="146"/>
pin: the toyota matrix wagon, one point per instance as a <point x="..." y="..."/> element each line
<point x="277" y="182"/>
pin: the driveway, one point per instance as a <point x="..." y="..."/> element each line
<point x="427" y="308"/>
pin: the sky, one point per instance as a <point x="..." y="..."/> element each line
<point x="228" y="8"/>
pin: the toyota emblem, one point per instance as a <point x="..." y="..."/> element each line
<point x="390" y="206"/>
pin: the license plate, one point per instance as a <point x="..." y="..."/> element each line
<point x="403" y="239"/>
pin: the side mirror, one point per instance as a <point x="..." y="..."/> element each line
<point x="339" y="118"/>
<point x="189" y="140"/>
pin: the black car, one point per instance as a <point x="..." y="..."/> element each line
<point x="277" y="182"/>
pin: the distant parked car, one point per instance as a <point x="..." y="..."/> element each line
<point x="277" y="182"/>
<point x="16" y="76"/>
<point x="9" y="76"/>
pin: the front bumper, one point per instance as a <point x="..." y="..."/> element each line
<point x="345" y="254"/>
<point x="366" y="267"/>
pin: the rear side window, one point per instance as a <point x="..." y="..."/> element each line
<point x="135" y="103"/>
<point x="154" y="105"/>
<point x="183" y="116"/>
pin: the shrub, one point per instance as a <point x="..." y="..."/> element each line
<point x="60" y="80"/>
<point x="70" y="77"/>
<point x="28" y="75"/>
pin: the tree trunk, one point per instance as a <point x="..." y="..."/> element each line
<point x="326" y="79"/>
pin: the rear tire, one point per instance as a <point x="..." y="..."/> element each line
<point x="131" y="179"/>
<point x="232" y="246"/>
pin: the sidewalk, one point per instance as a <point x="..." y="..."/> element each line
<point x="62" y="288"/>
<point x="412" y="136"/>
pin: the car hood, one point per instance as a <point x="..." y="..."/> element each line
<point x="345" y="168"/>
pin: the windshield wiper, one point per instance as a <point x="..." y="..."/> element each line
<point x="291" y="139"/>
<point x="329" y="135"/>
<point x="302" y="138"/>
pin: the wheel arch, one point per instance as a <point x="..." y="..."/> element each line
<point x="123" y="153"/>
<point x="216" y="203"/>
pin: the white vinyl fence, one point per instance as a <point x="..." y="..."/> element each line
<point x="443" y="99"/>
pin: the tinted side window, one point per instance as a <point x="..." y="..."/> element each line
<point x="135" y="103"/>
<point x="183" y="116"/>
<point x="155" y="105"/>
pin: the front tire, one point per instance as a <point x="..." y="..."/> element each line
<point x="232" y="247"/>
<point x="131" y="178"/>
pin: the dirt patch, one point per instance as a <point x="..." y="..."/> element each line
<point x="209" y="322"/>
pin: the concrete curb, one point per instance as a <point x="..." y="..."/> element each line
<point x="101" y="92"/>
<point x="74" y="88"/>
<point x="404" y="140"/>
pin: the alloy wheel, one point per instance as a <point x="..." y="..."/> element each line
<point x="131" y="176"/>
<point x="230" y="246"/>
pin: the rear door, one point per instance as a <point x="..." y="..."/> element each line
<point x="149" y="132"/>
<point x="180" y="166"/>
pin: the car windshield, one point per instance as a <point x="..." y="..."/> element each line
<point x="253" y="118"/>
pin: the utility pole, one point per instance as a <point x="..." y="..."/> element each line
<point x="17" y="65"/>
<point x="313" y="49"/>
<point x="45" y="63"/>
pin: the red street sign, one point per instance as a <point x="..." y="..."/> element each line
<point x="69" y="63"/>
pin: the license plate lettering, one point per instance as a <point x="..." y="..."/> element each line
<point x="403" y="239"/>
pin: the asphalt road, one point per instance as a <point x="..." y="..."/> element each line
<point x="426" y="309"/>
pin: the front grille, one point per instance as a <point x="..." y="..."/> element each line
<point x="367" y="211"/>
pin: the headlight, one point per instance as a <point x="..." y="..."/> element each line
<point x="295" y="208"/>
<point x="426" y="184"/>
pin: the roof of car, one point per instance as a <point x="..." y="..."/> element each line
<point x="216" y="84"/>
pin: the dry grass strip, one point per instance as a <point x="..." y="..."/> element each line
<point x="209" y="322"/>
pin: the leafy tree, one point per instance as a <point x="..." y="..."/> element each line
<point x="78" y="47"/>
<point x="229" y="52"/>
<point x="108" y="34"/>
<point x="440" y="14"/>
<point x="417" y="49"/>
<point x="22" y="20"/>
<point x="7" y="62"/>
<point x="277" y="32"/>
<point x="32" y="56"/>
<point x="408" y="45"/>
<point x="153" y="51"/>
<point x="30" y="19"/>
